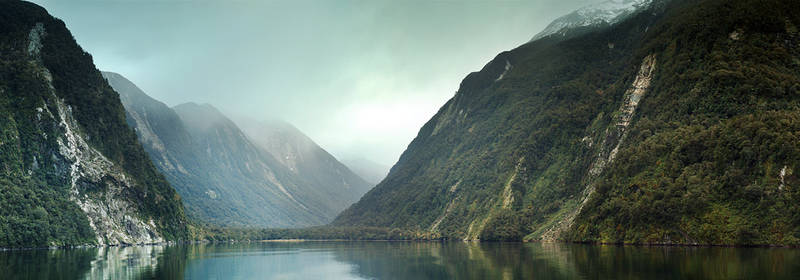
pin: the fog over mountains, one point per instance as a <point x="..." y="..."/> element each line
<point x="670" y="122"/>
<point x="275" y="177"/>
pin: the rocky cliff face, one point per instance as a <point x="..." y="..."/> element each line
<point x="113" y="219"/>
<point x="73" y="172"/>
<point x="672" y="125"/>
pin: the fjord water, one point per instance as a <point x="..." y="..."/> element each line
<point x="401" y="260"/>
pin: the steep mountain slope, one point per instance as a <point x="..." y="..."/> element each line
<point x="242" y="170"/>
<point x="224" y="178"/>
<point x="71" y="170"/>
<point x="675" y="125"/>
<point x="309" y="161"/>
<point x="371" y="171"/>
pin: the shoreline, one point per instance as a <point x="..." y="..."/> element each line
<point x="300" y="240"/>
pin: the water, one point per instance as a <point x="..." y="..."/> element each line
<point x="401" y="260"/>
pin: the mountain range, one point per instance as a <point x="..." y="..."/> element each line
<point x="272" y="176"/>
<point x="630" y="121"/>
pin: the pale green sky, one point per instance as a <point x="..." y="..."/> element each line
<point x="359" y="77"/>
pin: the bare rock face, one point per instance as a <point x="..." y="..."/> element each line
<point x="71" y="170"/>
<point x="112" y="217"/>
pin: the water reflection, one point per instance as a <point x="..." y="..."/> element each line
<point x="400" y="260"/>
<point x="271" y="260"/>
<point x="388" y="260"/>
<point x="46" y="264"/>
<point x="124" y="262"/>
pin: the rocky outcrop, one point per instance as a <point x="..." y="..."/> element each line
<point x="114" y="220"/>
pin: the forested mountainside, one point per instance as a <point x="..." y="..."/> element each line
<point x="225" y="178"/>
<point x="71" y="170"/>
<point x="676" y="125"/>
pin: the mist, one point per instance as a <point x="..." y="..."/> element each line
<point x="359" y="77"/>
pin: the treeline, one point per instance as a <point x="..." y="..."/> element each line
<point x="313" y="233"/>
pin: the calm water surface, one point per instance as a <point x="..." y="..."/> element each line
<point x="401" y="260"/>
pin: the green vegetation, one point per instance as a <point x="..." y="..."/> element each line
<point x="212" y="233"/>
<point x="701" y="161"/>
<point x="507" y="155"/>
<point x="710" y="156"/>
<point x="34" y="176"/>
<point x="713" y="158"/>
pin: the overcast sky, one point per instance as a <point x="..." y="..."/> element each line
<point x="359" y="77"/>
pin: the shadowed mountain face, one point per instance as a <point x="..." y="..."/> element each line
<point x="71" y="170"/>
<point x="675" y="125"/>
<point x="228" y="179"/>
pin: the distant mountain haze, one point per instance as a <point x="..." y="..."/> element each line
<point x="308" y="160"/>
<point x="371" y="171"/>
<point x="225" y="178"/>
<point x="358" y="77"/>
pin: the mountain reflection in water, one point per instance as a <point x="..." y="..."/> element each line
<point x="400" y="260"/>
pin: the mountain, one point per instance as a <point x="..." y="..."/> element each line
<point x="225" y="178"/>
<point x="371" y="171"/>
<point x="71" y="171"/>
<point x="306" y="159"/>
<point x="676" y="125"/>
<point x="267" y="194"/>
<point x="600" y="14"/>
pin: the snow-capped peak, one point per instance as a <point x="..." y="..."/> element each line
<point x="606" y="12"/>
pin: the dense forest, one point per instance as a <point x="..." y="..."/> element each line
<point x="546" y="142"/>
<point x="712" y="158"/>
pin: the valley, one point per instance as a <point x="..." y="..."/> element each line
<point x="624" y="122"/>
